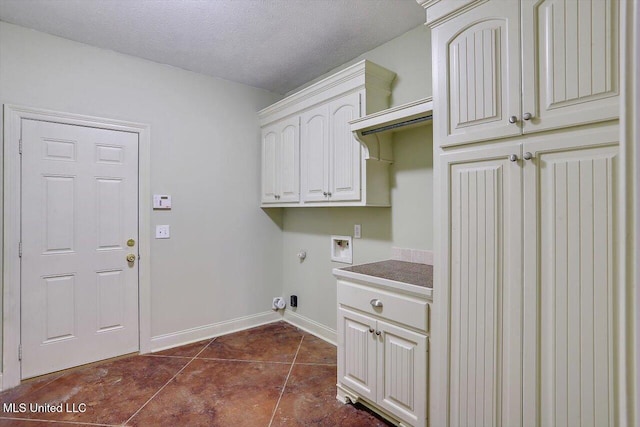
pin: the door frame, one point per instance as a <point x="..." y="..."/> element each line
<point x="11" y="328"/>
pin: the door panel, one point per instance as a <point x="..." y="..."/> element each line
<point x="402" y="357"/>
<point x="346" y="151"/>
<point x="314" y="150"/>
<point x="79" y="296"/>
<point x="485" y="300"/>
<point x="290" y="162"/>
<point x="269" y="165"/>
<point x="478" y="84"/>
<point x="357" y="354"/>
<point x="569" y="303"/>
<point x="570" y="62"/>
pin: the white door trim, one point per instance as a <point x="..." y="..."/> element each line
<point x="13" y="115"/>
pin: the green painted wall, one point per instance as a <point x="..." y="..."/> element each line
<point x="408" y="223"/>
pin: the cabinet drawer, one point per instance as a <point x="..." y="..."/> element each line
<point x="404" y="309"/>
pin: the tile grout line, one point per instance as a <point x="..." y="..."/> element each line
<point x="168" y="382"/>
<point x="273" y="415"/>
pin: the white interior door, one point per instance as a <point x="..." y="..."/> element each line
<point x="79" y="294"/>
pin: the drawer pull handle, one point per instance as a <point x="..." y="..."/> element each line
<point x="375" y="303"/>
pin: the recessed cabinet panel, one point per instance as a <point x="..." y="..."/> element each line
<point x="571" y="320"/>
<point x="289" y="164"/>
<point x="315" y="154"/>
<point x="357" y="355"/>
<point x="484" y="309"/>
<point x="269" y="165"/>
<point x="403" y="355"/>
<point x="478" y="85"/>
<point x="345" y="150"/>
<point x="570" y="62"/>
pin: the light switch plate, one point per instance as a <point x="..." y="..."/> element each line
<point x="357" y="231"/>
<point x="163" y="232"/>
<point x="161" y="201"/>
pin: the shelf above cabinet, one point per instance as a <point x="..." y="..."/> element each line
<point x="375" y="130"/>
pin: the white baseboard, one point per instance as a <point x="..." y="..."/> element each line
<point x="311" y="326"/>
<point x="188" y="336"/>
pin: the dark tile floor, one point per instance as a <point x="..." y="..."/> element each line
<point x="272" y="375"/>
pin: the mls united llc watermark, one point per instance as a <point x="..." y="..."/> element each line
<point x="21" y="408"/>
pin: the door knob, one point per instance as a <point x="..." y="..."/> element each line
<point x="527" y="156"/>
<point x="513" y="119"/>
<point x="527" y="116"/>
<point x="131" y="242"/>
<point x="131" y="258"/>
<point x="513" y="157"/>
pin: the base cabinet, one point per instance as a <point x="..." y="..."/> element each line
<point x="383" y="364"/>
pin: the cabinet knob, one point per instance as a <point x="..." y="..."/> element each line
<point x="329" y="194"/>
<point x="375" y="303"/>
<point x="527" y="116"/>
<point x="513" y="119"/>
<point x="527" y="156"/>
<point x="513" y="157"/>
<point x="378" y="333"/>
<point x="371" y="330"/>
<point x="325" y="194"/>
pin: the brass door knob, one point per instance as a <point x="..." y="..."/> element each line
<point x="131" y="258"/>
<point x="131" y="242"/>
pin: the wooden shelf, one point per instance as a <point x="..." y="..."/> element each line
<point x="375" y="130"/>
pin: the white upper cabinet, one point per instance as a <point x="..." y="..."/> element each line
<point x="570" y="62"/>
<point x="331" y="156"/>
<point x="315" y="154"/>
<point x="477" y="84"/>
<point x="334" y="167"/>
<point x="569" y="75"/>
<point x="281" y="162"/>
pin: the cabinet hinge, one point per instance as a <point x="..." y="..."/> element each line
<point x="20" y="250"/>
<point x="20" y="352"/>
<point x="20" y="146"/>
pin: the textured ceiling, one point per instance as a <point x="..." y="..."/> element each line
<point x="271" y="44"/>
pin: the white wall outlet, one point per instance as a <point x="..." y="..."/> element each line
<point x="163" y="232"/>
<point x="357" y="229"/>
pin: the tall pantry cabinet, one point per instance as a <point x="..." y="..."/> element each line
<point x="526" y="152"/>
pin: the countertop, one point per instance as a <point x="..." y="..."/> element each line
<point x="408" y="276"/>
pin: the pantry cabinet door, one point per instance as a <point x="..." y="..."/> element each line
<point x="480" y="298"/>
<point x="477" y="74"/>
<point x="314" y="147"/>
<point x="570" y="62"/>
<point x="345" y="151"/>
<point x="569" y="278"/>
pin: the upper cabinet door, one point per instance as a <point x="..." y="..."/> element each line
<point x="477" y="74"/>
<point x="315" y="154"/>
<point x="289" y="161"/>
<point x="269" y="165"/>
<point x="345" y="150"/>
<point x="570" y="62"/>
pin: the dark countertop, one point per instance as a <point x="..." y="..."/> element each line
<point x="399" y="271"/>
